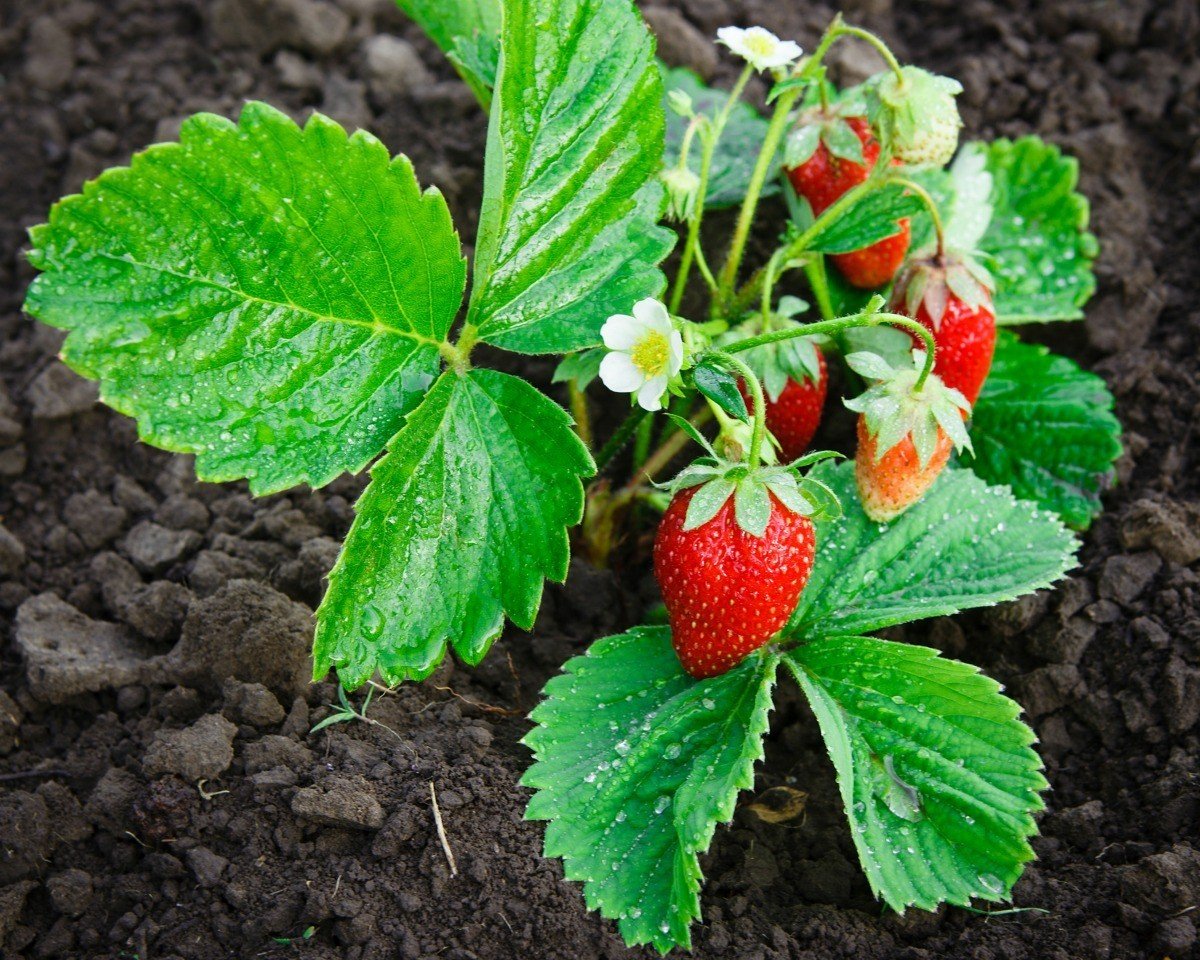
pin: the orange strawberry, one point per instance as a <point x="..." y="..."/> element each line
<point x="905" y="434"/>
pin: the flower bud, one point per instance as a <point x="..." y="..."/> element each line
<point x="682" y="188"/>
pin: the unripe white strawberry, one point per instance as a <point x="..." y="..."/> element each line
<point x="916" y="115"/>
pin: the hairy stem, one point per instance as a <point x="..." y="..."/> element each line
<point x="616" y="443"/>
<point x="762" y="168"/>
<point x="581" y="413"/>
<point x="760" y="405"/>
<point x="709" y="145"/>
<point x="930" y="204"/>
<point x="830" y="327"/>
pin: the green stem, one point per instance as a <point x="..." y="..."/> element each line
<point x="818" y="280"/>
<point x="760" y="404"/>
<point x="641" y="443"/>
<point x="762" y="168"/>
<point x="934" y="214"/>
<point x="799" y="245"/>
<point x="831" y="327"/>
<point x="692" y="243"/>
<point x="616" y="443"/>
<point x="579" y="410"/>
<point x="878" y="44"/>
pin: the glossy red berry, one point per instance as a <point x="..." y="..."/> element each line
<point x="823" y="178"/>
<point x="727" y="592"/>
<point x="793" y="417"/>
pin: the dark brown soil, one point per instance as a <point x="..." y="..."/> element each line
<point x="151" y="808"/>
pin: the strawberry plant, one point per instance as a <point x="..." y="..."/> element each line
<point x="288" y="304"/>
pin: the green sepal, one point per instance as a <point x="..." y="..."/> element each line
<point x="707" y="501"/>
<point x="752" y="506"/>
<point x="893" y="409"/>
<point x="690" y="429"/>
<point x="774" y="364"/>
<point x="841" y="140"/>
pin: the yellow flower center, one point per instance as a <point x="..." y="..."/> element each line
<point x="652" y="353"/>
<point x="759" y="45"/>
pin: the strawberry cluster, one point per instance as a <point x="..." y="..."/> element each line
<point x="730" y="575"/>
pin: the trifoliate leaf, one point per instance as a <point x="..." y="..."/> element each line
<point x="568" y="232"/>
<point x="266" y="297"/>
<point x="964" y="545"/>
<point x="1046" y="428"/>
<point x="461" y="522"/>
<point x="635" y="765"/>
<point x="468" y="32"/>
<point x="936" y="771"/>
<point x="737" y="150"/>
<point x="1037" y="244"/>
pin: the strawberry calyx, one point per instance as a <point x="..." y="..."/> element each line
<point x="931" y="278"/>
<point x="895" y="407"/>
<point x="753" y="490"/>
<point x="823" y="126"/>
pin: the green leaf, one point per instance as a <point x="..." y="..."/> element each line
<point x="964" y="545"/>
<point x="721" y="387"/>
<point x="737" y="150"/>
<point x="568" y="232"/>
<point x="468" y="32"/>
<point x="582" y="367"/>
<point x="1046" y="428"/>
<point x="268" y="298"/>
<point x="1037" y="243"/>
<point x="461" y="522"/>
<point x="477" y="58"/>
<point x="936" y="772"/>
<point x="636" y="764"/>
<point x="871" y="219"/>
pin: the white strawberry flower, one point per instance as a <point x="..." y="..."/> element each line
<point x="646" y="351"/>
<point x="759" y="47"/>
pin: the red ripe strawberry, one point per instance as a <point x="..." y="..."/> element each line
<point x="890" y="484"/>
<point x="828" y="171"/>
<point x="905" y="434"/>
<point x="950" y="295"/>
<point x="794" y="415"/>
<point x="727" y="590"/>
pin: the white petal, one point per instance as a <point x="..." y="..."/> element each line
<point x="733" y="38"/>
<point x="650" y="395"/>
<point x="620" y="332"/>
<point x="619" y="374"/>
<point x="676" y="361"/>
<point x="653" y="315"/>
